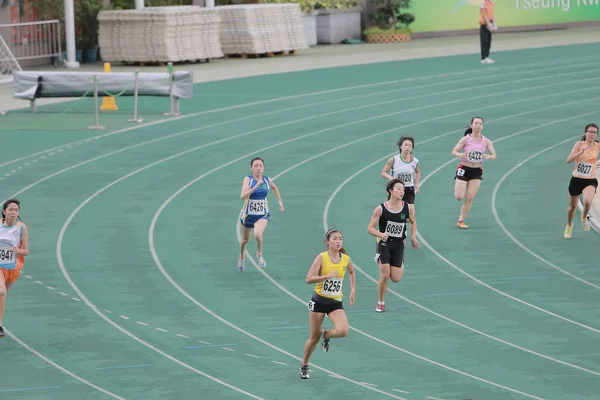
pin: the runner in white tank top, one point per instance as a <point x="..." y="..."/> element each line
<point x="469" y="172"/>
<point x="14" y="246"/>
<point x="406" y="167"/>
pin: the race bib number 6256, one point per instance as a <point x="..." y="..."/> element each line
<point x="332" y="287"/>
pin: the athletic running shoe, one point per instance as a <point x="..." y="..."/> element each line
<point x="2" y="332"/>
<point x="461" y="224"/>
<point x="568" y="232"/>
<point x="380" y="307"/>
<point x="304" y="372"/>
<point x="586" y="224"/>
<point x="241" y="264"/>
<point x="261" y="262"/>
<point x="325" y="343"/>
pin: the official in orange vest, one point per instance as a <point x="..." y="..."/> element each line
<point x="486" y="27"/>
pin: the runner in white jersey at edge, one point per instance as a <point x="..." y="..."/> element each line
<point x="406" y="167"/>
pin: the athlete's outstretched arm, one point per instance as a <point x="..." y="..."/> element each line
<point x="413" y="227"/>
<point x="313" y="273"/>
<point x="417" y="177"/>
<point x="576" y="151"/>
<point x="246" y="191"/>
<point x="24" y="250"/>
<point x="490" y="146"/>
<point x="458" y="147"/>
<point x="386" y="169"/>
<point x="277" y="193"/>
<point x="372" y="228"/>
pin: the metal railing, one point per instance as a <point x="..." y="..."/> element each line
<point x="30" y="40"/>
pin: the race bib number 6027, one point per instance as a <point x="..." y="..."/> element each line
<point x="584" y="169"/>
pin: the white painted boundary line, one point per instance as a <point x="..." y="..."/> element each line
<point x="485" y="284"/>
<point x="276" y="100"/>
<point x="60" y="368"/>
<point x="85" y="162"/>
<point x="377" y="162"/>
<point x="511" y="236"/>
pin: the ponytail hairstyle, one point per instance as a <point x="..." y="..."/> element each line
<point x="9" y="202"/>
<point x="390" y="186"/>
<point x="328" y="235"/>
<point x="469" y="129"/>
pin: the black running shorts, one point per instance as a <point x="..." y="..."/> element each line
<point x="320" y="304"/>
<point x="464" y="173"/>
<point x="390" y="253"/>
<point x="576" y="185"/>
<point x="409" y="195"/>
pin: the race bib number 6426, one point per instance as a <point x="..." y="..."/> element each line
<point x="256" y="207"/>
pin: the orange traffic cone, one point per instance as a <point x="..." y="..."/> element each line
<point x="108" y="103"/>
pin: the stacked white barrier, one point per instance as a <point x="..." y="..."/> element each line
<point x="160" y="34"/>
<point x="261" y="28"/>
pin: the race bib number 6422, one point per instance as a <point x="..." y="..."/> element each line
<point x="474" y="156"/>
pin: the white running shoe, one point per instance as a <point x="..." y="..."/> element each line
<point x="586" y="224"/>
<point x="241" y="264"/>
<point x="261" y="262"/>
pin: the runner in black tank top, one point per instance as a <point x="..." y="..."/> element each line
<point x="393" y="217"/>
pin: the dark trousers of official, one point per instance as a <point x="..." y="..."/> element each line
<point x="485" y="37"/>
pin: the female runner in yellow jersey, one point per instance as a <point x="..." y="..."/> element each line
<point x="328" y="271"/>
<point x="583" y="179"/>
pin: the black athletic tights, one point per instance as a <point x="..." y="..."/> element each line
<point x="485" y="36"/>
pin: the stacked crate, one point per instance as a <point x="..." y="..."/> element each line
<point x="261" y="28"/>
<point x="160" y="34"/>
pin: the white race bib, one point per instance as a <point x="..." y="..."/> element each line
<point x="395" y="229"/>
<point x="474" y="156"/>
<point x="7" y="256"/>
<point x="256" y="207"/>
<point x="406" y="177"/>
<point x="584" y="169"/>
<point x="332" y="287"/>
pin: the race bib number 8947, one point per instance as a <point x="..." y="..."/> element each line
<point x="6" y="255"/>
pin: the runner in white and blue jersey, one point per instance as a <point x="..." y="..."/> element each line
<point x="255" y="212"/>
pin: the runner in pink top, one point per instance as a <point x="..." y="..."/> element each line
<point x="469" y="172"/>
